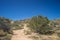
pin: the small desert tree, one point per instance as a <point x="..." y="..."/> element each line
<point x="40" y="25"/>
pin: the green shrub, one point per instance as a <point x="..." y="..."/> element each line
<point x="17" y="26"/>
<point x="58" y="34"/>
<point x="5" y="29"/>
<point x="40" y="25"/>
<point x="10" y="31"/>
<point x="2" y="33"/>
<point x="7" y="37"/>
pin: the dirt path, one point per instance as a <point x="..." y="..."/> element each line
<point x="19" y="35"/>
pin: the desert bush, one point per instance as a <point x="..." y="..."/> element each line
<point x="40" y="25"/>
<point x="7" y="37"/>
<point x="17" y="26"/>
<point x="4" y="24"/>
<point x="2" y="33"/>
<point x="5" y="29"/>
<point x="58" y="34"/>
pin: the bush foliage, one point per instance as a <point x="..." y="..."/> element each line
<point x="40" y="25"/>
<point x="5" y="28"/>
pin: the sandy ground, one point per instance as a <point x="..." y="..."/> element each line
<point x="19" y="35"/>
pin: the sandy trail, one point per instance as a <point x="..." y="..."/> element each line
<point x="19" y="35"/>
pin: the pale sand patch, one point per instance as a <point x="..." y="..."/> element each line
<point x="19" y="35"/>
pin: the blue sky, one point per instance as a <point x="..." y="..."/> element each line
<point x="21" y="9"/>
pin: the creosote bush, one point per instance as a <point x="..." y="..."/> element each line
<point x="40" y="25"/>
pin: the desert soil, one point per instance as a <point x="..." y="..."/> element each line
<point x="19" y="35"/>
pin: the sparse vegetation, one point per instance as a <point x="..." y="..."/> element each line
<point x="58" y="35"/>
<point x="36" y="24"/>
<point x="16" y="26"/>
<point x="5" y="29"/>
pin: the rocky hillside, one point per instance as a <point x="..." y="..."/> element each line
<point x="37" y="28"/>
<point x="52" y="24"/>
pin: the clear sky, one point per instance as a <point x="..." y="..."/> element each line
<point x="21" y="9"/>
